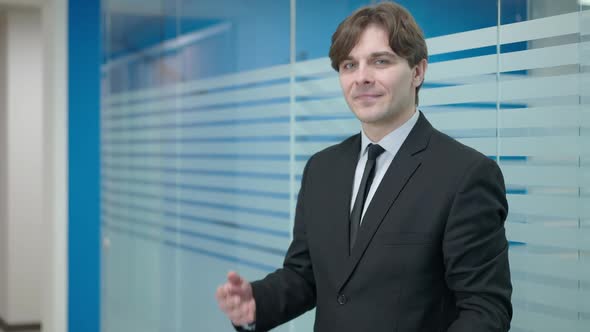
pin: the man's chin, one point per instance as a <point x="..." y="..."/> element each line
<point x="378" y="120"/>
<point x="371" y="121"/>
<point x="366" y="112"/>
<point x="368" y="116"/>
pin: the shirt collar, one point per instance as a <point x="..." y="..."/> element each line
<point x="394" y="140"/>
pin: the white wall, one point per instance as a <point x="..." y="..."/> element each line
<point x="23" y="160"/>
<point x="33" y="288"/>
<point x="54" y="305"/>
<point x="3" y="175"/>
<point x="35" y="127"/>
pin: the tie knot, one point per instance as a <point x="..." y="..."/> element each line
<point x="375" y="150"/>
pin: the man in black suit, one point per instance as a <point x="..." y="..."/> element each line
<point x="398" y="228"/>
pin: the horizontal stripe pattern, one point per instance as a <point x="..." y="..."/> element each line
<point x="211" y="168"/>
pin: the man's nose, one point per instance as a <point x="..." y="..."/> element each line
<point x="364" y="75"/>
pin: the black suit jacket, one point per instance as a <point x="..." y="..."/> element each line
<point x="431" y="254"/>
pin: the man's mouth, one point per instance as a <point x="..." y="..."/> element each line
<point x="367" y="97"/>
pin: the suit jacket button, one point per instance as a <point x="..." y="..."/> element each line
<point x="342" y="299"/>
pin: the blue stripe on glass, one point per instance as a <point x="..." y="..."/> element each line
<point x="232" y="259"/>
<point x="204" y="108"/>
<point x="234" y="139"/>
<point x="510" y="158"/>
<point x="207" y="91"/>
<point x="522" y="72"/>
<point x="131" y="206"/>
<point x="199" y="124"/>
<point x="227" y="207"/>
<point x="315" y="77"/>
<point x="206" y="172"/>
<point x="432" y="85"/>
<point x="486" y="50"/>
<point x="516" y="243"/>
<point x="221" y="156"/>
<point x="514" y="47"/>
<point x="316" y="97"/>
<point x="228" y="139"/>
<point x="194" y="218"/>
<point x="133" y="194"/>
<point x="177" y="230"/>
<point x="348" y="116"/>
<point x="237" y="243"/>
<point x="133" y="233"/>
<point x="302" y="157"/>
<point x="513" y="158"/>
<point x="249" y="263"/>
<point x="321" y="138"/>
<point x="515" y="191"/>
<point x="483" y="106"/>
<point x="236" y="191"/>
<point x="471" y="133"/>
<point x="114" y="116"/>
<point x="135" y="221"/>
<point x="175" y="185"/>
<point x="509" y="106"/>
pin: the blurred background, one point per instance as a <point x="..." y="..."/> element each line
<point x="148" y="147"/>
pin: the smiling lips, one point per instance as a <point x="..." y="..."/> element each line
<point x="367" y="97"/>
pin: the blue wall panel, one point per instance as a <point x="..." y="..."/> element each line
<point x="84" y="174"/>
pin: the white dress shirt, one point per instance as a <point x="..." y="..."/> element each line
<point x="391" y="143"/>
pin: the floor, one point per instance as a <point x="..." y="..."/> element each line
<point x="1" y="330"/>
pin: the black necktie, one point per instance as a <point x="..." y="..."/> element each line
<point x="357" y="210"/>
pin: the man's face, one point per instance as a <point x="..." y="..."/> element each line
<point x="379" y="86"/>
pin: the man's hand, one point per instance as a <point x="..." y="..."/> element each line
<point x="236" y="300"/>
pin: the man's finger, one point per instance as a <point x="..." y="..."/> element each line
<point x="231" y="289"/>
<point x="236" y="302"/>
<point x="222" y="297"/>
<point x="220" y="293"/>
<point x="234" y="278"/>
<point x="242" y="315"/>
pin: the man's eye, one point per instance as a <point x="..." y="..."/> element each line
<point x="381" y="62"/>
<point x="348" y="66"/>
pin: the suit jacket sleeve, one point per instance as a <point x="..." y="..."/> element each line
<point x="289" y="291"/>
<point x="476" y="251"/>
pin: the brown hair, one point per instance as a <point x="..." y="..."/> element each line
<point x="405" y="36"/>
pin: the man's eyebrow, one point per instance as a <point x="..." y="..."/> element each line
<point x="385" y="53"/>
<point x="372" y="55"/>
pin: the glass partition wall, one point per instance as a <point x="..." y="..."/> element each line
<point x="210" y="110"/>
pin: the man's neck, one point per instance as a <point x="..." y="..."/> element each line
<point x="376" y="131"/>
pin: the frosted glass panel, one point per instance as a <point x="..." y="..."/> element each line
<point x="541" y="146"/>
<point x="195" y="157"/>
<point x="210" y="110"/>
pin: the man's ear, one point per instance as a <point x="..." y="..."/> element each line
<point x="419" y="72"/>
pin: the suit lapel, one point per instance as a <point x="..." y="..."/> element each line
<point x="403" y="166"/>
<point x="346" y="170"/>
